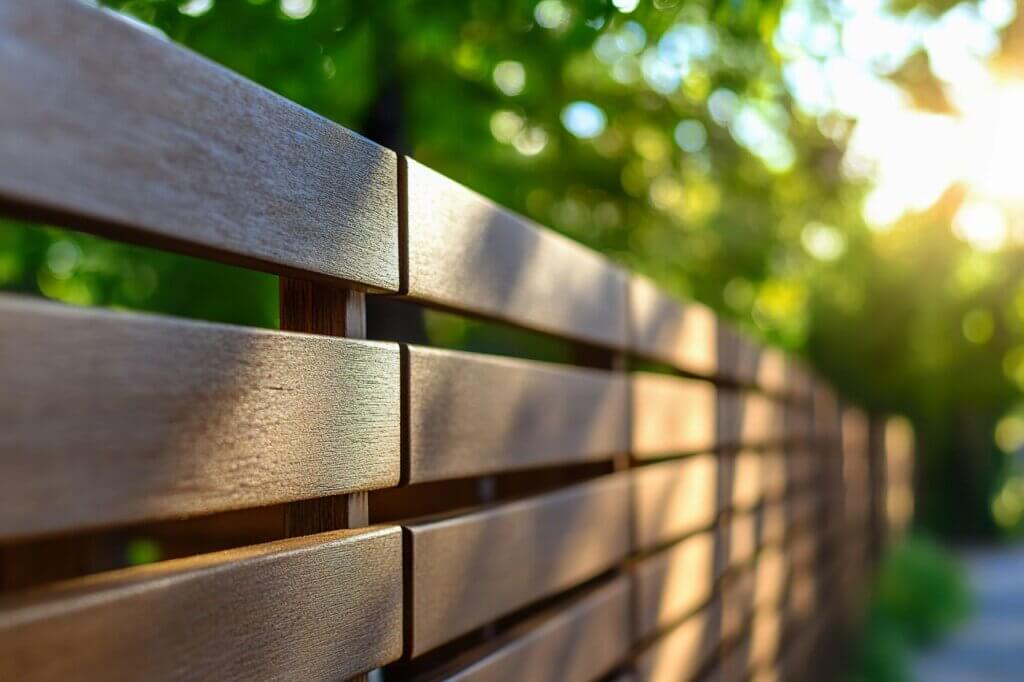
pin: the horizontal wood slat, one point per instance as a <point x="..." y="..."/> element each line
<point x="674" y="582"/>
<point x="321" y="607"/>
<point x="469" y="570"/>
<point x="115" y="417"/>
<point x="750" y="418"/>
<point x="674" y="498"/>
<point x="772" y="371"/>
<point x="207" y="163"/>
<point x="765" y="638"/>
<point x="770" y="576"/>
<point x="672" y="415"/>
<point x="575" y="643"/>
<point x="774" y="522"/>
<point x="472" y="414"/>
<point x="668" y="331"/>
<point x="680" y="654"/>
<point x="468" y="254"/>
<point x="743" y="540"/>
<point x="747" y="478"/>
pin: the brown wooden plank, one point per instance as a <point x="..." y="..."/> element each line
<point x="765" y="638"/>
<point x="578" y="642"/>
<point x="747" y="479"/>
<point x="899" y="476"/>
<point x="668" y="331"/>
<point x="672" y="415"/>
<point x="113" y="417"/>
<point x="472" y="414"/>
<point x="680" y="654"/>
<point x="471" y="569"/>
<point x="761" y="420"/>
<point x="751" y="364"/>
<point x="773" y="474"/>
<point x="468" y="254"/>
<point x="674" y="498"/>
<point x="207" y="163"/>
<point x="737" y="602"/>
<point x="742" y="537"/>
<point x="773" y="522"/>
<point x="673" y="582"/>
<point x="750" y="418"/>
<point x="771" y="574"/>
<point x="772" y="371"/>
<point x="322" y="607"/>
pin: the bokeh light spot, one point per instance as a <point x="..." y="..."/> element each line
<point x="584" y="119"/>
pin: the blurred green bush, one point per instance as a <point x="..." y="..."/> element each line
<point x="919" y="594"/>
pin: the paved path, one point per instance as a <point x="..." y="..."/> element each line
<point x="990" y="647"/>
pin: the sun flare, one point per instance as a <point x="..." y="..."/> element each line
<point x="918" y="156"/>
<point x="992" y="126"/>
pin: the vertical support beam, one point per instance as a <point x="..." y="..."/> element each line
<point x="332" y="311"/>
<point x="876" y="478"/>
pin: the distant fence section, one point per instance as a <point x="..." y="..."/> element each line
<point x="188" y="500"/>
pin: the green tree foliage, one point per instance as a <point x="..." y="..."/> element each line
<point x="660" y="132"/>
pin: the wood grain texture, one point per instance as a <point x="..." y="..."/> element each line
<point x="680" y="654"/>
<point x="577" y="642"/>
<point x="318" y="308"/>
<point x="673" y="582"/>
<point x="473" y="414"/>
<point x="672" y="415"/>
<point x="323" y="607"/>
<point x="468" y="254"/>
<point x="663" y="329"/>
<point x="674" y="498"/>
<point x="149" y="417"/>
<point x="135" y="138"/>
<point x="472" y="569"/>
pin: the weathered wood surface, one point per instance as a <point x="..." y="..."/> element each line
<point x="575" y="643"/>
<point x="663" y="329"/>
<point x="114" y="417"/>
<point x="118" y="132"/>
<point x="672" y="416"/>
<point x="674" y="582"/>
<point x="322" y="607"/>
<point x="468" y="570"/>
<point x="469" y="254"/>
<point x="674" y="498"/>
<point x="473" y="414"/>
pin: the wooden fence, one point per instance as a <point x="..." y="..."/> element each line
<point x="326" y="506"/>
